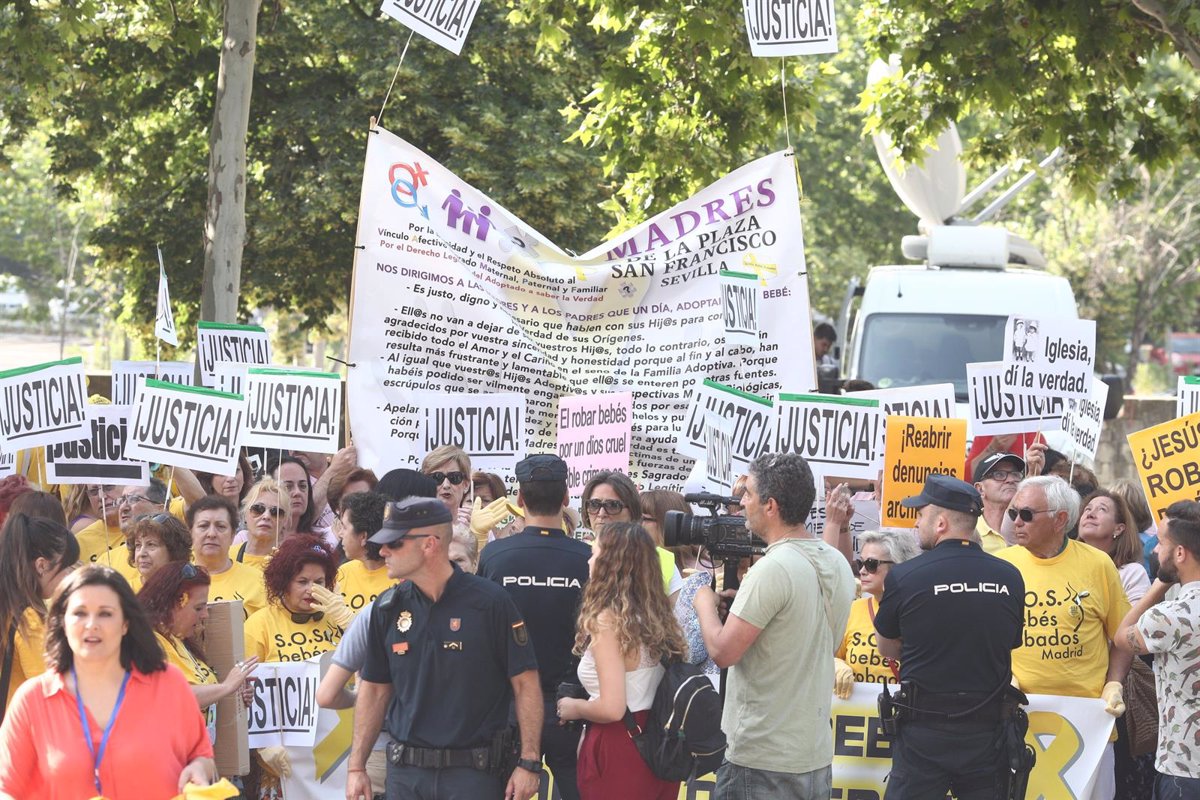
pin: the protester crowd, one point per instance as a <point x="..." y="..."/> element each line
<point x="463" y="685"/>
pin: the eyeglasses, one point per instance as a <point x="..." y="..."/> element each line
<point x="871" y="565"/>
<point x="609" y="506"/>
<point x="455" y="477"/>
<point x="260" y="508"/>
<point x="130" y="499"/>
<point x="1026" y="514"/>
<point x="1004" y="474"/>
<point x="157" y="519"/>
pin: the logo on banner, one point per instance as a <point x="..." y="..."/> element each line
<point x="455" y="214"/>
<point x="404" y="192"/>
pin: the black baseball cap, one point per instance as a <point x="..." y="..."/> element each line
<point x="541" y="467"/>
<point x="412" y="512"/>
<point x="949" y="492"/>
<point x="991" y="462"/>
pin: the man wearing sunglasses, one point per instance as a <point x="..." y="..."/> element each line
<point x="447" y="653"/>
<point x="1074" y="605"/>
<point x="996" y="478"/>
<point x="105" y="544"/>
<point x="953" y="617"/>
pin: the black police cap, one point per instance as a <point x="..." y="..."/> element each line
<point x="413" y="512"/>
<point x="949" y="492"/>
<point x="541" y="467"/>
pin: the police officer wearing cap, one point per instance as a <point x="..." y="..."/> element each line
<point x="544" y="570"/>
<point x="952" y="617"/>
<point x="448" y="653"/>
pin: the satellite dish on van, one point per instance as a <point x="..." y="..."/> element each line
<point x="934" y="189"/>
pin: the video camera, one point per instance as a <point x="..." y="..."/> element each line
<point x="724" y="536"/>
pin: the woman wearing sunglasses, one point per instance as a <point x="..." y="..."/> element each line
<point x="154" y="542"/>
<point x="858" y="659"/>
<point x="612" y="497"/>
<point x="176" y="601"/>
<point x="269" y="520"/>
<point x="450" y="469"/>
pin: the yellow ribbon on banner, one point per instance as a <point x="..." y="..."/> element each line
<point x="330" y="750"/>
<point x="763" y="271"/>
<point x="1048" y="779"/>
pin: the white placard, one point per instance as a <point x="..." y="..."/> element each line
<point x="290" y="409"/>
<point x="718" y="461"/>
<point x="790" y="27"/>
<point x="997" y="405"/>
<point x="126" y="375"/>
<point x="934" y="400"/>
<point x="8" y="464"/>
<point x="753" y="423"/>
<point x="100" y="458"/>
<point x="837" y="435"/>
<point x="187" y="426"/>
<point x="216" y="341"/>
<point x="490" y="428"/>
<point x="740" y="292"/>
<point x="284" y="709"/>
<point x="164" y="320"/>
<point x="43" y="404"/>
<point x="443" y="22"/>
<point x="593" y="435"/>
<point x="1187" y="396"/>
<point x="1083" y="419"/>
<point x="1056" y="357"/>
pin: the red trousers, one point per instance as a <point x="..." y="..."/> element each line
<point x="610" y="766"/>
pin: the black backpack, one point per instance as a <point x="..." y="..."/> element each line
<point x="682" y="738"/>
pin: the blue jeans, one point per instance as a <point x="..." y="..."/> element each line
<point x="1171" y="787"/>
<point x="743" y="783"/>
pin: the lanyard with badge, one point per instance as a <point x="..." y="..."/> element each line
<point x="98" y="756"/>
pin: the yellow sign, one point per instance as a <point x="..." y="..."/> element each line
<point x="915" y="448"/>
<point x="1166" y="461"/>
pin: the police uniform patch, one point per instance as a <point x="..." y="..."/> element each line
<point x="520" y="635"/>
<point x="405" y="621"/>
<point x="455" y="623"/>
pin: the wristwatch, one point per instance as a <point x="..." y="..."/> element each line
<point x="531" y="764"/>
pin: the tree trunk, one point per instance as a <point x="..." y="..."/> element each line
<point x="225" y="221"/>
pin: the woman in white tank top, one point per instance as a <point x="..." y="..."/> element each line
<point x="625" y="628"/>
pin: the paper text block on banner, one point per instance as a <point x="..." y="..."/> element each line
<point x="43" y="404"/>
<point x="187" y="426"/>
<point x="284" y="709"/>
<point x="1056" y="357"/>
<point x="443" y="22"/>
<point x="100" y="458"/>
<point x="1187" y="395"/>
<point x="795" y="28"/>
<point x="1165" y="456"/>
<point x="1083" y="419"/>
<point x="593" y="435"/>
<point x="753" y="423"/>
<point x="288" y="409"/>
<point x="997" y="405"/>
<point x="837" y="435"/>
<point x="490" y="428"/>
<point x="917" y="447"/>
<point x="217" y="341"/>
<point x="126" y="375"/>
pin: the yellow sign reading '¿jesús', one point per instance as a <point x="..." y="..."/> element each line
<point x="915" y="448"/>
<point x="1166" y="462"/>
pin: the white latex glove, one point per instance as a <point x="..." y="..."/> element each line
<point x="1113" y="695"/>
<point x="333" y="605"/>
<point x="843" y="678"/>
<point x="276" y="760"/>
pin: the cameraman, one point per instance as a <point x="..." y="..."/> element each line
<point x="778" y="641"/>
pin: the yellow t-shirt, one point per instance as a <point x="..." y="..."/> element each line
<point x="28" y="660"/>
<point x="359" y="585"/>
<point x="991" y="540"/>
<point x="97" y="539"/>
<point x="196" y="671"/>
<point x="1073" y="604"/>
<point x="249" y="559"/>
<point x="177" y="509"/>
<point x="859" y="648"/>
<point x="273" y="636"/>
<point x="239" y="582"/>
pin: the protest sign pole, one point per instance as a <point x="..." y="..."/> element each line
<point x="170" y="480"/>
<point x="104" y="519"/>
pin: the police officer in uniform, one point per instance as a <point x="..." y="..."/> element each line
<point x="544" y="570"/>
<point x="952" y="617"/>
<point x="448" y="653"/>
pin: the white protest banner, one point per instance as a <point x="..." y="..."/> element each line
<point x="1052" y="357"/>
<point x="790" y="27"/>
<point x="164" y="320"/>
<point x="230" y="376"/>
<point x="100" y="458"/>
<point x="284" y="708"/>
<point x="753" y="423"/>
<point x="934" y="400"/>
<point x="490" y="428"/>
<point x="593" y="435"/>
<point x="293" y="409"/>
<point x="1083" y="419"/>
<point x="739" y="297"/>
<point x="42" y="404"/>
<point x="218" y="341"/>
<point x="1187" y="396"/>
<point x="443" y="22"/>
<point x="126" y="375"/>
<point x="8" y="464"/>
<point x="837" y="435"/>
<point x="998" y="406"/>
<point x="718" y="459"/>
<point x="453" y="293"/>
<point x="186" y="426"/>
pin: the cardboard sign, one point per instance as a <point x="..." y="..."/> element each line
<point x="837" y="435"/>
<point x="293" y="409"/>
<point x="490" y="428"/>
<point x="865" y="515"/>
<point x="1083" y="419"/>
<point x="792" y="28"/>
<point x="917" y="447"/>
<point x="753" y="422"/>
<point x="997" y="405"/>
<point x="1055" y="357"/>
<point x="100" y="458"/>
<point x="284" y="709"/>
<point x="934" y="400"/>
<point x="593" y="435"/>
<point x="126" y="375"/>
<point x="217" y="341"/>
<point x="740" y="293"/>
<point x="718" y="460"/>
<point x="186" y="426"/>
<point x="443" y="22"/>
<point x="1187" y="395"/>
<point x="1165" y="456"/>
<point x="164" y="320"/>
<point x="42" y="404"/>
